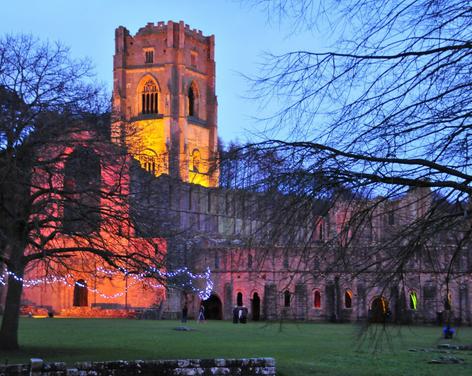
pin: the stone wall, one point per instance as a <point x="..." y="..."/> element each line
<point x="187" y="367"/>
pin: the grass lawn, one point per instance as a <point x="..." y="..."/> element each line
<point x="299" y="349"/>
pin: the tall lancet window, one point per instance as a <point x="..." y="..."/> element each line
<point x="191" y="101"/>
<point x="150" y="98"/>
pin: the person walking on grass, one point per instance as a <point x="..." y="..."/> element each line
<point x="201" y="314"/>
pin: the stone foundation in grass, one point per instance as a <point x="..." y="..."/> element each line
<point x="183" y="367"/>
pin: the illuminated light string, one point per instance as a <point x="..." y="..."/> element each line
<point x="203" y="293"/>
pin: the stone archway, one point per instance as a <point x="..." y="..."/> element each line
<point x="256" y="307"/>
<point x="379" y="310"/>
<point x="213" y="308"/>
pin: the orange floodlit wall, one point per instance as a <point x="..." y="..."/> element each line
<point x="80" y="278"/>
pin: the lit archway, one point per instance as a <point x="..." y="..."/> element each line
<point x="413" y="300"/>
<point x="348" y="299"/>
<point x="379" y="310"/>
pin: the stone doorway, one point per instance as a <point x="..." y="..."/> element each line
<point x="379" y="310"/>
<point x="80" y="294"/>
<point x="256" y="307"/>
<point x="213" y="308"/>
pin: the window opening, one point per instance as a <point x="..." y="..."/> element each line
<point x="413" y="300"/>
<point x="239" y="299"/>
<point x="149" y="98"/>
<point x="348" y="299"/>
<point x="317" y="299"/>
<point x="149" y="57"/>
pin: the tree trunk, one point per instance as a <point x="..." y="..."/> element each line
<point x="9" y="329"/>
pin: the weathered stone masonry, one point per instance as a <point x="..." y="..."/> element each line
<point x="184" y="367"/>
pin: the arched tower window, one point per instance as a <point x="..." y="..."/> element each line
<point x="150" y="98"/>
<point x="193" y="100"/>
<point x="82" y="178"/>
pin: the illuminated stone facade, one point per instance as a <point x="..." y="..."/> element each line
<point x="304" y="281"/>
<point x="166" y="116"/>
<point x="164" y="100"/>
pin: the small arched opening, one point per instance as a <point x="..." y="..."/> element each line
<point x="348" y="299"/>
<point x="193" y="100"/>
<point x="213" y="308"/>
<point x="413" y="301"/>
<point x="379" y="311"/>
<point x="80" y="293"/>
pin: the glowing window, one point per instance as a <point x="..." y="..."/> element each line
<point x="348" y="299"/>
<point x="413" y="300"/>
<point x="317" y="299"/>
<point x="149" y="98"/>
<point x="196" y="160"/>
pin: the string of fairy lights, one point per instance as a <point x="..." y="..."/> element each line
<point x="188" y="281"/>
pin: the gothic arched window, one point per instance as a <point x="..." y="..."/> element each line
<point x="348" y="299"/>
<point x="150" y="98"/>
<point x="192" y="100"/>
<point x="413" y="300"/>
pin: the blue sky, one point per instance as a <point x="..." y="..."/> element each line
<point x="242" y="35"/>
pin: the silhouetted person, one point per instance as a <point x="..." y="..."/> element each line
<point x="201" y="313"/>
<point x="235" y="315"/>
<point x="184" y="313"/>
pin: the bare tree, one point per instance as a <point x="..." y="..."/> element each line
<point x="384" y="113"/>
<point x="63" y="186"/>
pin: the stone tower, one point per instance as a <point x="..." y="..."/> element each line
<point x="164" y="100"/>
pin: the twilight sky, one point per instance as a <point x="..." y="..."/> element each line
<point x="242" y="35"/>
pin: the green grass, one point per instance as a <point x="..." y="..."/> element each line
<point x="299" y="349"/>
